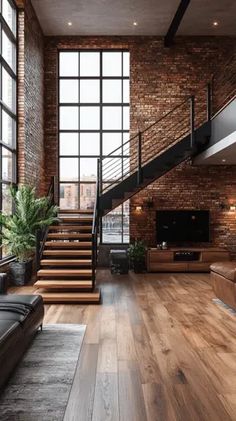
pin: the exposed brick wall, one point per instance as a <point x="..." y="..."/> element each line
<point x="160" y="79"/>
<point x="30" y="99"/>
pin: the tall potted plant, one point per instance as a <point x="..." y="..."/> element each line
<point x="137" y="254"/>
<point x="19" y="229"/>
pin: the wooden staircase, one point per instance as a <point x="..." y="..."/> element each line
<point x="65" y="274"/>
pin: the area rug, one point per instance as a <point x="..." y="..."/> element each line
<point x="221" y="304"/>
<point x="39" y="388"/>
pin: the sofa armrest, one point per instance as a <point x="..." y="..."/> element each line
<point x="3" y="283"/>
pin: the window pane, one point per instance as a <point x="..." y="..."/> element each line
<point x="89" y="118"/>
<point x="111" y="141"/>
<point x="69" y="144"/>
<point x="126" y="118"/>
<point x="69" y="169"/>
<point x="89" y="143"/>
<point x="125" y="90"/>
<point x="9" y="15"/>
<point x="126" y="207"/>
<point x="6" y="199"/>
<point x="8" y="129"/>
<point x="112" y="226"/>
<point x="8" y="51"/>
<point x="69" y="64"/>
<point x="69" y="196"/>
<point x="6" y="165"/>
<point x="89" y="91"/>
<point x="8" y="90"/>
<point x="89" y="64"/>
<point x="87" y="195"/>
<point x="111" y="118"/>
<point x="69" y="118"/>
<point x="126" y="64"/>
<point x="112" y="91"/>
<point x="111" y="63"/>
<point x="69" y="91"/>
<point x="88" y="169"/>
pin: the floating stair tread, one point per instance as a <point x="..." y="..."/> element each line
<point x="65" y="262"/>
<point x="64" y="272"/>
<point x="69" y="235"/>
<point x="76" y="211"/>
<point x="70" y="227"/>
<point x="70" y="297"/>
<point x="75" y="218"/>
<point x="69" y="253"/>
<point x="69" y="244"/>
<point x="63" y="284"/>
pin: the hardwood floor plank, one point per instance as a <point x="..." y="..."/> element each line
<point x="106" y="407"/>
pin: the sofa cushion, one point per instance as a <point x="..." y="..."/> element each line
<point x="225" y="269"/>
<point x="31" y="301"/>
<point x="8" y="331"/>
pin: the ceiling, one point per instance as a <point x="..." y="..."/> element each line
<point x="221" y="153"/>
<point x="112" y="17"/>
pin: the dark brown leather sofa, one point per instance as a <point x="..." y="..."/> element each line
<point x="20" y="318"/>
<point x="223" y="277"/>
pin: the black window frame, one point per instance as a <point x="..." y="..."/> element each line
<point x="100" y="131"/>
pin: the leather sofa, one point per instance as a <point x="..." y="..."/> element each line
<point x="223" y="277"/>
<point x="20" y="318"/>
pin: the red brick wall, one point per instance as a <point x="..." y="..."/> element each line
<point x="160" y="79"/>
<point x="30" y="99"/>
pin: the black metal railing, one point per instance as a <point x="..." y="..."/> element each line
<point x="41" y="235"/>
<point x="95" y="227"/>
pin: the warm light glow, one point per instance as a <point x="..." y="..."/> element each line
<point x="232" y="208"/>
<point x="135" y="23"/>
<point x="215" y="23"/>
<point x="223" y="160"/>
<point x="138" y="208"/>
<point x="69" y="23"/>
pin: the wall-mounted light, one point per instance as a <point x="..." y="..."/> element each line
<point x="228" y="207"/>
<point x="138" y="209"/>
<point x="232" y="208"/>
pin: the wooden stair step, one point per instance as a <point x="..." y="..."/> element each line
<point x="69" y="253"/>
<point x="67" y="235"/>
<point x="65" y="262"/>
<point x="69" y="244"/>
<point x="70" y="297"/>
<point x="77" y="219"/>
<point x="76" y="211"/>
<point x="63" y="227"/>
<point x="64" y="284"/>
<point x="64" y="272"/>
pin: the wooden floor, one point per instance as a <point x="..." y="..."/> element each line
<point x="157" y="348"/>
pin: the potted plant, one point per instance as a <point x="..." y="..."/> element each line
<point x="137" y="254"/>
<point x="19" y="229"/>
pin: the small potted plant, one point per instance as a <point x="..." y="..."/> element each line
<point x="19" y="229"/>
<point x="137" y="255"/>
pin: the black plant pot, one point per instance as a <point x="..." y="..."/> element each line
<point x="139" y="266"/>
<point x="21" y="272"/>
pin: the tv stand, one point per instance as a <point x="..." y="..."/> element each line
<point x="184" y="259"/>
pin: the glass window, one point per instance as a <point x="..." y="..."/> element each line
<point x="112" y="64"/>
<point x="69" y="144"/>
<point x="89" y="91"/>
<point x="69" y="91"/>
<point x="69" y="64"/>
<point x="93" y="123"/>
<point x="7" y="107"/>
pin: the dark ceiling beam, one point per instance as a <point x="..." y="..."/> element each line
<point x="174" y="26"/>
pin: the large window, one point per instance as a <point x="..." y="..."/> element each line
<point x="7" y="104"/>
<point x="93" y="121"/>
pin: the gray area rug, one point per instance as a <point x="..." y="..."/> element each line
<point x="39" y="388"/>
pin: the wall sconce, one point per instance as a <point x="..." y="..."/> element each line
<point x="227" y="207"/>
<point x="232" y="208"/>
<point x="138" y="209"/>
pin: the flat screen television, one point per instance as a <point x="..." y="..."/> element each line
<point x="183" y="226"/>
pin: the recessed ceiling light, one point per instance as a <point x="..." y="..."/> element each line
<point x="135" y="23"/>
<point x="215" y="23"/>
<point x="69" y="23"/>
<point x="223" y="160"/>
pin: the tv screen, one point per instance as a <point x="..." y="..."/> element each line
<point x="184" y="226"/>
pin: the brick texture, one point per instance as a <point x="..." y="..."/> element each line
<point x="30" y="99"/>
